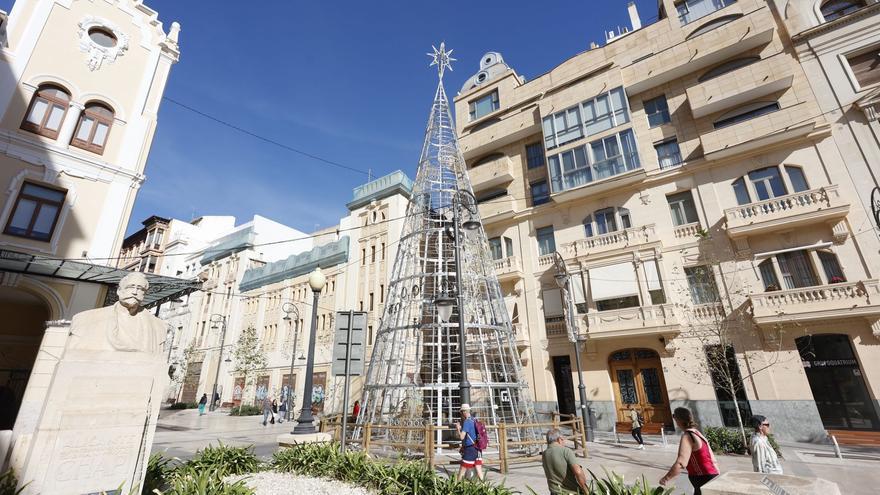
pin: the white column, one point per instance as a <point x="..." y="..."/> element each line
<point x="69" y="124"/>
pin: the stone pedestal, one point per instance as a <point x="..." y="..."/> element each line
<point x="96" y="425"/>
<point x="289" y="439"/>
<point x="750" y="483"/>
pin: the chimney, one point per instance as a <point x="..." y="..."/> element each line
<point x="634" y="16"/>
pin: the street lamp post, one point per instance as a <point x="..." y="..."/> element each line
<point x="444" y="301"/>
<point x="215" y="321"/>
<point x="563" y="280"/>
<point x="305" y="422"/>
<point x="288" y="309"/>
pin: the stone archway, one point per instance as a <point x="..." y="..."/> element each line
<point x="21" y="333"/>
<point x="637" y="379"/>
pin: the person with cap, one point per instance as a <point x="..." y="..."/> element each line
<point x="471" y="458"/>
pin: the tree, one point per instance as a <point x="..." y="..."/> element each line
<point x="248" y="355"/>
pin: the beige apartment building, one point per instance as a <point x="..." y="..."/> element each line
<point x="80" y="89"/>
<point x="689" y="179"/>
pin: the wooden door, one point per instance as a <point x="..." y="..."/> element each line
<point x="637" y="378"/>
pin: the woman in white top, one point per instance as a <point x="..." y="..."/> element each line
<point x="764" y="458"/>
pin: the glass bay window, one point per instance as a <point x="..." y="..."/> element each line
<point x="599" y="159"/>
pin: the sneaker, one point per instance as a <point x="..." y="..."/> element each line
<point x="641" y="447"/>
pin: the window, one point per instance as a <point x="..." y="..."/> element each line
<point x="657" y="111"/>
<point x="382" y="293"/>
<point x="691" y="10"/>
<point x="831" y="267"/>
<point x="535" y="155"/>
<point x="668" y="154"/>
<point x="102" y="37"/>
<point x="35" y="212"/>
<point x="723" y="369"/>
<point x="371" y="301"/>
<point x="495" y="248"/>
<point x="701" y="283"/>
<point x="833" y="9"/>
<point x="546" y="241"/>
<point x="712" y="25"/>
<point x="767" y="183"/>
<point x="484" y="160"/>
<point x="605" y="111"/>
<point x="363" y="256"/>
<point x="383" y="250"/>
<point x="866" y="67"/>
<point x="160" y="233"/>
<point x="92" y="129"/>
<point x="682" y="208"/>
<point x="729" y="66"/>
<point x="746" y="112"/>
<point x="372" y="254"/>
<point x="540" y="192"/>
<point x="602" y="158"/>
<point x="768" y="275"/>
<point x="599" y="114"/>
<point x="484" y="105"/>
<point x="46" y="111"/>
<point x="508" y="247"/>
<point x="607" y="220"/>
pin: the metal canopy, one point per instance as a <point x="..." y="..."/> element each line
<point x="162" y="289"/>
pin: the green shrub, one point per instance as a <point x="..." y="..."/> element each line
<point x="189" y="480"/>
<point x="183" y="405"/>
<point x="725" y="440"/>
<point x="405" y="477"/>
<point x="159" y="472"/>
<point x="246" y="411"/>
<point x="8" y="482"/>
<point x="225" y="460"/>
<point x="613" y="484"/>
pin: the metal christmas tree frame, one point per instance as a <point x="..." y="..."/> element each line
<point x="415" y="373"/>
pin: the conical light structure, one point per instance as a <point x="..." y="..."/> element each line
<point x="416" y="368"/>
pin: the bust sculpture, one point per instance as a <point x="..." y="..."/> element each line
<point x="125" y="326"/>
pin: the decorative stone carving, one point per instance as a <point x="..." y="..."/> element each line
<point x="98" y="54"/>
<point x="839" y="231"/>
<point x="875" y="329"/>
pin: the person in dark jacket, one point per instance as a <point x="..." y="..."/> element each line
<point x="202" y="403"/>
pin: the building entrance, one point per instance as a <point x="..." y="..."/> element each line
<point x="637" y="379"/>
<point x="564" y="385"/>
<point x="837" y="383"/>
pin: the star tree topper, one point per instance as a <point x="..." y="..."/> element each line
<point x="442" y="59"/>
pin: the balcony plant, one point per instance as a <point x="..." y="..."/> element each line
<point x="771" y="288"/>
<point x="836" y="280"/>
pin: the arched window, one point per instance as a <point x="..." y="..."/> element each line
<point x="728" y="66"/>
<point x="833" y="9"/>
<point x="607" y="220"/>
<point x="713" y="24"/>
<point x="746" y="112"/>
<point x="93" y="127"/>
<point x="765" y="183"/>
<point x="46" y="111"/>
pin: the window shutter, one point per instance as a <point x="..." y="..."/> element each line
<point x="552" y="302"/>
<point x="609" y="282"/>
<point x="651" y="275"/>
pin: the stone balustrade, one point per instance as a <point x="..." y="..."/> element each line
<point x="639" y="320"/>
<point x="707" y="312"/>
<point x="818" y="302"/>
<point x="555" y="327"/>
<point x="620" y="239"/>
<point x="688" y="231"/>
<point x="819" y="203"/>
<point x="546" y="260"/>
<point x="508" y="268"/>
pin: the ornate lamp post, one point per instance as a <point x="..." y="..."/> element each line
<point x="305" y="422"/>
<point x="288" y="309"/>
<point x="461" y="199"/>
<point x="563" y="280"/>
<point x="215" y="320"/>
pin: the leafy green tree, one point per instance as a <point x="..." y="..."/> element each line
<point x="248" y="356"/>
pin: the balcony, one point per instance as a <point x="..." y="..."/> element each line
<point x="490" y="134"/>
<point x="824" y="204"/>
<point x="620" y="179"/>
<point x="684" y="57"/>
<point x="491" y="174"/>
<point x="521" y="336"/>
<point x="555" y="327"/>
<point x="630" y="322"/>
<point x="740" y="86"/>
<point x="691" y="11"/>
<point x="497" y="209"/>
<point x="507" y="269"/>
<point x="546" y="260"/>
<point x="687" y="232"/>
<point x="766" y="130"/>
<point x="621" y="239"/>
<point x="823" y="302"/>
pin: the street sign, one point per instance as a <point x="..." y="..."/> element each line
<point x="349" y="343"/>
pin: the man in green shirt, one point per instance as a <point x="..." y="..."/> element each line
<point x="564" y="475"/>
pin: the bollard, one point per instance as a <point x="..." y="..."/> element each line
<point x="836" y="447"/>
<point x="663" y="435"/>
<point x="616" y="436"/>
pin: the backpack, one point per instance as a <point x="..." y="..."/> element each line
<point x="482" y="436"/>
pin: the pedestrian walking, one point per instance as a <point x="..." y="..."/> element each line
<point x="637" y="422"/>
<point x="202" y="402"/>
<point x="282" y="411"/>
<point x="356" y="410"/>
<point x="694" y="453"/>
<point x="563" y="472"/>
<point x="267" y="410"/>
<point x="274" y="410"/>
<point x="764" y="458"/>
<point x="471" y="458"/>
<point x="216" y="401"/>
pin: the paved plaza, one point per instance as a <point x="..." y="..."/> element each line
<point x="182" y="433"/>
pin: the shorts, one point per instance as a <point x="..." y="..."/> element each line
<point x="471" y="457"/>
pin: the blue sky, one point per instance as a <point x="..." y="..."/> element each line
<point x="344" y="80"/>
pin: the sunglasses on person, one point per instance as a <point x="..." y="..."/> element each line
<point x="765" y="424"/>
